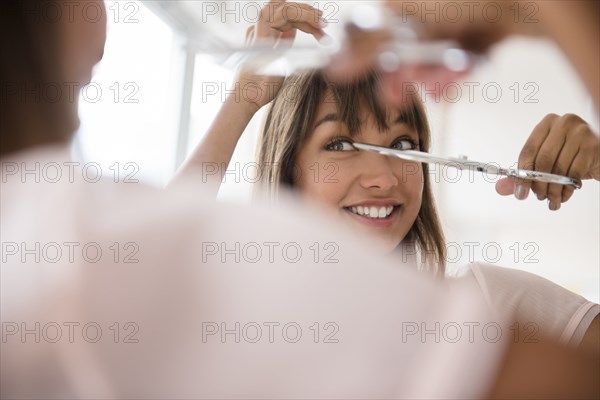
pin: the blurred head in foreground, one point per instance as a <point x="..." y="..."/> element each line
<point x="48" y="51"/>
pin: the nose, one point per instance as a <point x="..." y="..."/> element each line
<point x="377" y="172"/>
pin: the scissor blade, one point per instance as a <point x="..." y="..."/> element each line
<point x="409" y="155"/>
<point x="420" y="156"/>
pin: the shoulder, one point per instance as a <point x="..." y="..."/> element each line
<point x="551" y="308"/>
<point x="518" y="286"/>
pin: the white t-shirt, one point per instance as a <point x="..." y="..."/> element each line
<point x="124" y="291"/>
<point x="538" y="305"/>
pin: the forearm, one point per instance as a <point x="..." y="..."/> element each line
<point x="575" y="27"/>
<point x="546" y="370"/>
<point x="591" y="340"/>
<point x="212" y="155"/>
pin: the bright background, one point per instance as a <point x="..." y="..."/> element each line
<point x="157" y="96"/>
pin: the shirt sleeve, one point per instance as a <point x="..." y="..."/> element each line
<point x="548" y="308"/>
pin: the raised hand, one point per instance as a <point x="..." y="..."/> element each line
<point x="277" y="25"/>
<point x="563" y="145"/>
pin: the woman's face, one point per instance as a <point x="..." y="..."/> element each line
<point x="378" y="195"/>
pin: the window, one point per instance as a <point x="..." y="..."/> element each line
<point x="129" y="112"/>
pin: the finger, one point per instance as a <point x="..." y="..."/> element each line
<point x="250" y="32"/>
<point x="544" y="162"/>
<point x="279" y="20"/>
<point x="305" y="27"/>
<point x="556" y="155"/>
<point x="315" y="15"/>
<point x="505" y="186"/>
<point x="300" y="16"/>
<point x="530" y="152"/>
<point x="561" y="167"/>
<point x="286" y="39"/>
<point x="286" y="14"/>
<point x="580" y="163"/>
<point x="574" y="171"/>
<point x="275" y="23"/>
<point x="567" y="192"/>
<point x="267" y="15"/>
<point x="564" y="165"/>
<point x="594" y="149"/>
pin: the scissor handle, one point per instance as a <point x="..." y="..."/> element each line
<point x="544" y="177"/>
<point x="518" y="173"/>
<point x="463" y="163"/>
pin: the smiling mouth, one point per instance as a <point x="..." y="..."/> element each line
<point x="374" y="213"/>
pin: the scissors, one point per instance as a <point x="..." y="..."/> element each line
<point x="462" y="163"/>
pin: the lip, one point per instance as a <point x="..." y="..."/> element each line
<point x="376" y="222"/>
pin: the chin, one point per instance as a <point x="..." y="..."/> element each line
<point x="381" y="243"/>
<point x="387" y="245"/>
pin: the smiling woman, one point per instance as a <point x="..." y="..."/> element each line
<point x="370" y="299"/>
<point x="306" y="145"/>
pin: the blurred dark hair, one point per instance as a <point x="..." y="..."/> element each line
<point x="30" y="73"/>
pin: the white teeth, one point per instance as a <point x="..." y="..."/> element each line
<point x="373" y="212"/>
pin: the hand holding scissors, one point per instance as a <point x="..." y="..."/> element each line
<point x="563" y="145"/>
<point x="462" y="163"/>
<point x="560" y="152"/>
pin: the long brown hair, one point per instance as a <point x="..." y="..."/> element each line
<point x="287" y="127"/>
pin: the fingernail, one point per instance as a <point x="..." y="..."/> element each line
<point x="553" y="206"/>
<point x="541" y="197"/>
<point x="521" y="192"/>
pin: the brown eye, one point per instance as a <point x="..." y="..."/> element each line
<point x="404" y="144"/>
<point x="339" y="145"/>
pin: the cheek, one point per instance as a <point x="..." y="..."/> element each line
<point x="412" y="182"/>
<point x="417" y="182"/>
<point x="324" y="180"/>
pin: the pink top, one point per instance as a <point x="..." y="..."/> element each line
<point x="544" y="305"/>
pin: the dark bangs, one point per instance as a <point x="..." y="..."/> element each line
<point x="349" y="97"/>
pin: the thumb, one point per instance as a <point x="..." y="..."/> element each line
<point x="505" y="186"/>
<point x="508" y="186"/>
